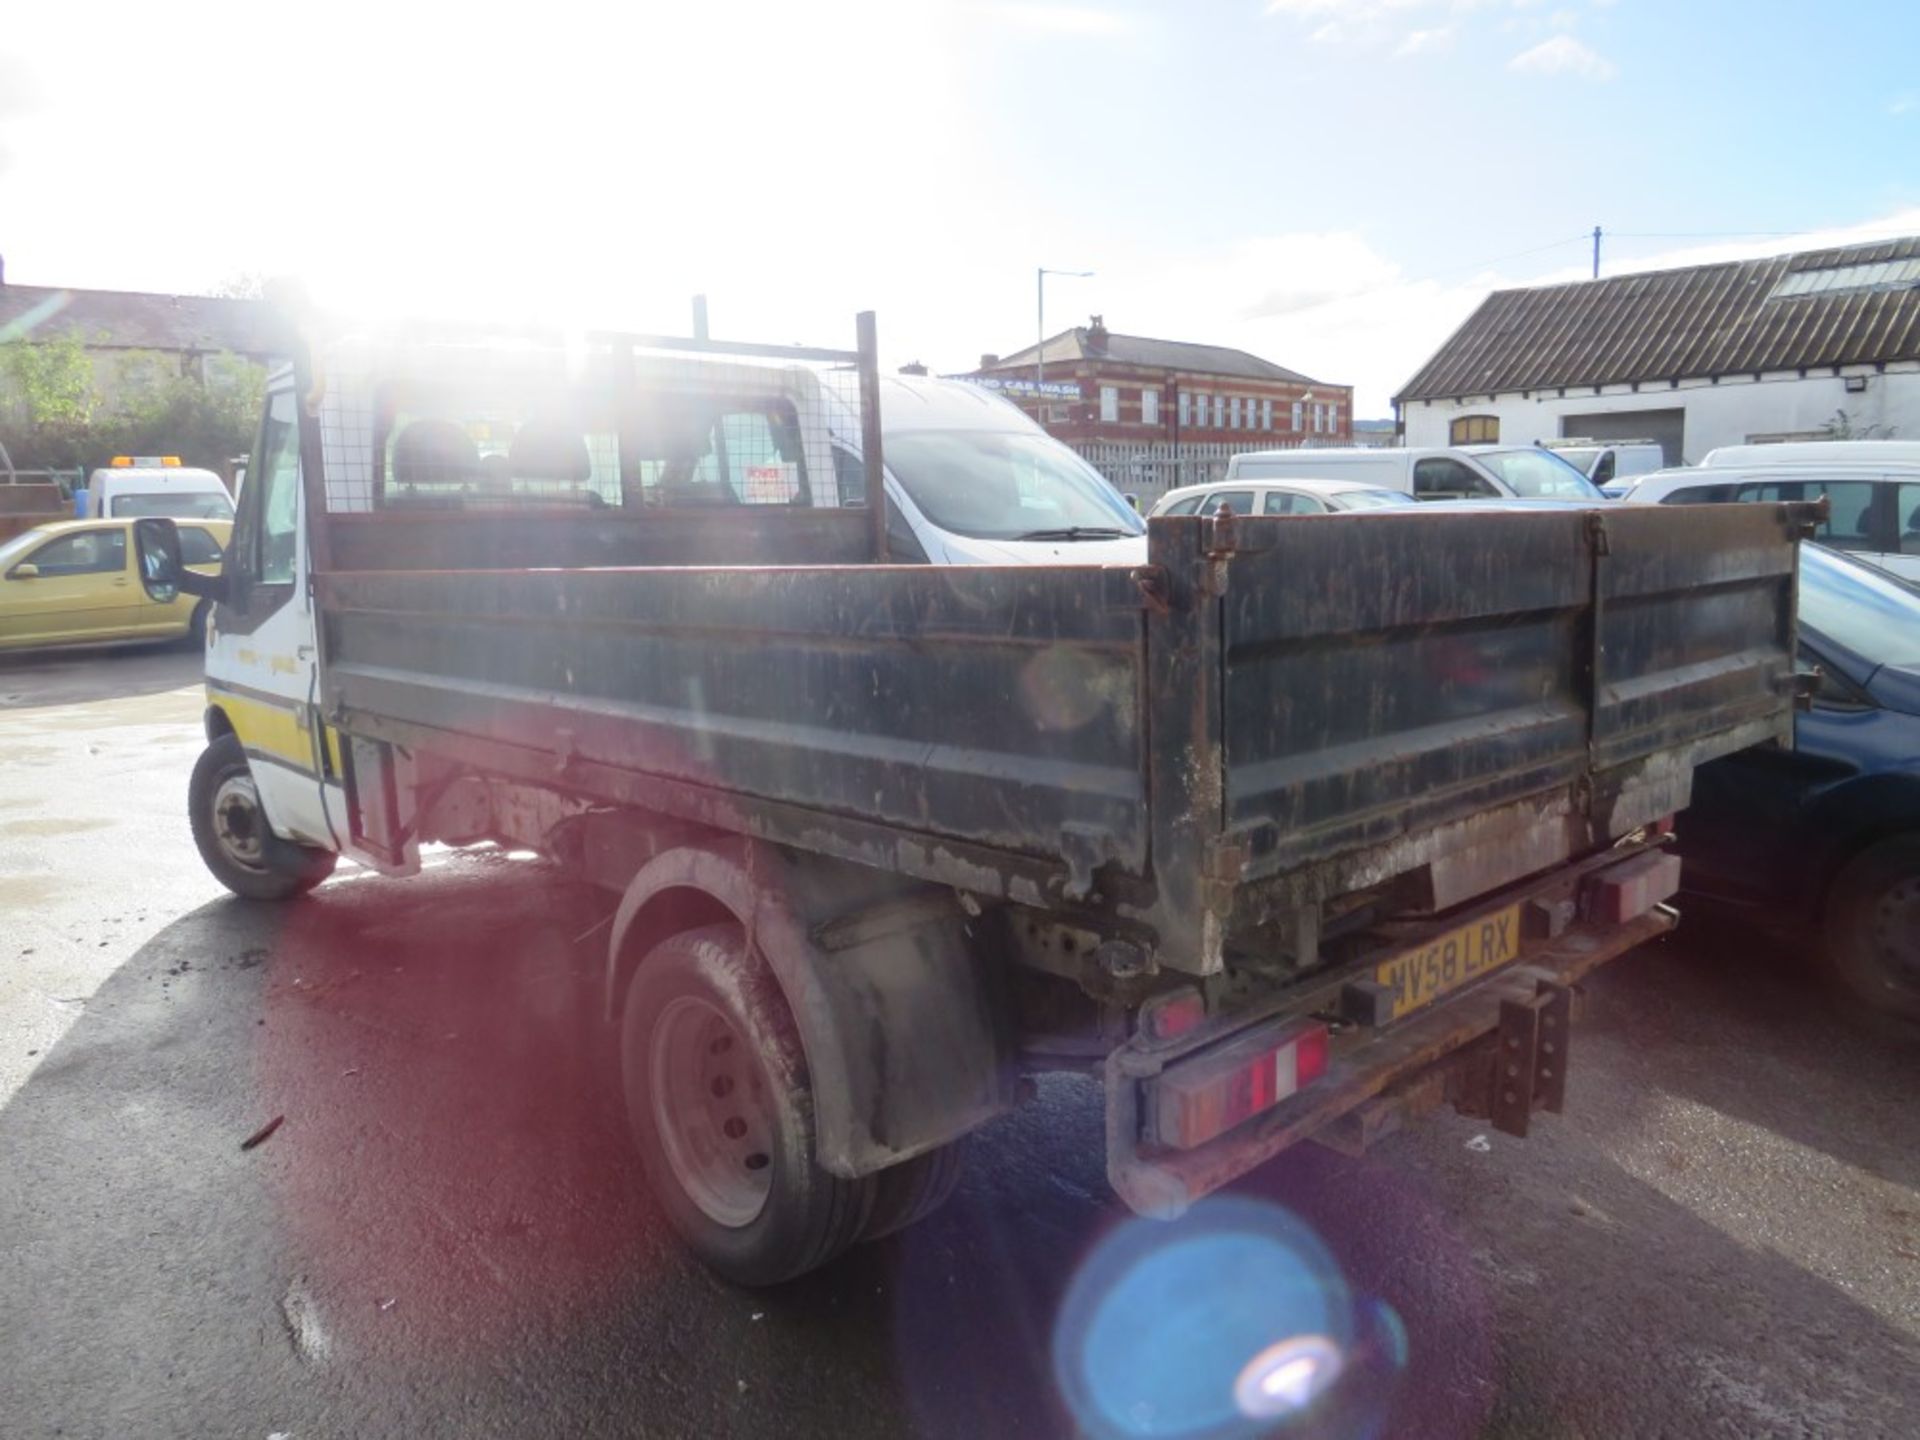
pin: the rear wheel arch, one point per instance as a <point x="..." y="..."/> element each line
<point x="1861" y="814"/>
<point x="217" y="723"/>
<point x="903" y="1046"/>
<point x="730" y="879"/>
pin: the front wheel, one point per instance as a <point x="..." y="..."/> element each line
<point x="231" y="831"/>
<point x="721" y="1108"/>
<point x="1873" y="928"/>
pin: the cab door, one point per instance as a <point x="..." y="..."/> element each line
<point x="261" y="671"/>
<point x="76" y="586"/>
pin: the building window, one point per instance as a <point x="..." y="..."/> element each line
<point x="1266" y="414"/>
<point x="1219" y="412"/>
<point x="1233" y="412"/>
<point x="1474" y="430"/>
<point x="1149" y="407"/>
<point x="1109" y="404"/>
<point x="1186" y="409"/>
<point x="1295" y="427"/>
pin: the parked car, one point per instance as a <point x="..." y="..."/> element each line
<point x="1606" y="461"/>
<point x="72" y="582"/>
<point x="1825" y="836"/>
<point x="1874" y="507"/>
<point x="136" y="485"/>
<point x="1304" y="496"/>
<point x="1458" y="472"/>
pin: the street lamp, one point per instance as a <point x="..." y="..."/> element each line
<point x="1039" y="349"/>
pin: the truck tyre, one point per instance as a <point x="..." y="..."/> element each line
<point x="233" y="836"/>
<point x="909" y="1192"/>
<point x="1873" y="928"/>
<point x="721" y="1108"/>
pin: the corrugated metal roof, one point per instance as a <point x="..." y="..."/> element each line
<point x="138" y="320"/>
<point x="1154" y="354"/>
<point x="1848" y="306"/>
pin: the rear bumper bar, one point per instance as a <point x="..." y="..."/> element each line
<point x="1364" y="1064"/>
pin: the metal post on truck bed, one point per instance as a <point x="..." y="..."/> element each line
<point x="870" y="435"/>
<point x="307" y="393"/>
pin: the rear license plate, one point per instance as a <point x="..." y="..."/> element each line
<point x="1418" y="976"/>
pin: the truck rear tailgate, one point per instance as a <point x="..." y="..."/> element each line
<point x="1393" y="690"/>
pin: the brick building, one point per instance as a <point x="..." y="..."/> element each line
<point x="1153" y="414"/>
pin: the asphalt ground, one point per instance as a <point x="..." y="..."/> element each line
<point x="447" y="1236"/>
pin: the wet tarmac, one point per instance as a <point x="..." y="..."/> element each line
<point x="446" y="1234"/>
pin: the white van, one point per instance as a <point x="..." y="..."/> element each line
<point x="972" y="480"/>
<point x="1873" y="508"/>
<point x="1439" y="472"/>
<point x="1824" y="452"/>
<point x="133" y="486"/>
<point x="1606" y="462"/>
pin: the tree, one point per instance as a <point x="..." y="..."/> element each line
<point x="52" y="380"/>
<point x="242" y="285"/>
<point x="51" y="401"/>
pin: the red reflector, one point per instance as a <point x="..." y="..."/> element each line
<point x="1633" y="887"/>
<point x="1662" y="827"/>
<point x="1208" y="1095"/>
<point x="1171" y="1016"/>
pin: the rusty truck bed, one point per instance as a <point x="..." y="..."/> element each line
<point x="1269" y="713"/>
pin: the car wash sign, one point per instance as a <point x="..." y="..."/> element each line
<point x="1026" y="389"/>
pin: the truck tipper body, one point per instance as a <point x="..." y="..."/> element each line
<point x="1283" y="828"/>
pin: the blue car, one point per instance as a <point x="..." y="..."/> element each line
<point x="1826" y="836"/>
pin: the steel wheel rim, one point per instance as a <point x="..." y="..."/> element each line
<point x="238" y="825"/>
<point x="1893" y="935"/>
<point x="712" y="1112"/>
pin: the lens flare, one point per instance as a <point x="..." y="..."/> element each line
<point x="1286" y="1377"/>
<point x="1231" y="1322"/>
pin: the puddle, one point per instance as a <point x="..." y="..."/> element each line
<point x="44" y="828"/>
<point x="28" y="889"/>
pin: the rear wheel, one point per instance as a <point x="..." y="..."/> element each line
<point x="231" y="831"/>
<point x="1873" y="928"/>
<point x="721" y="1107"/>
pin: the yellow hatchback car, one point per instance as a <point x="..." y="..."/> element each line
<point x="73" y="582"/>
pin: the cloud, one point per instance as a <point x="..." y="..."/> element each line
<point x="1060" y="19"/>
<point x="1563" y="55"/>
<point x="1425" y="42"/>
<point x="1410" y="27"/>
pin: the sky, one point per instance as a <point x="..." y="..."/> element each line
<point x="1331" y="184"/>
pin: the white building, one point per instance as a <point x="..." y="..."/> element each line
<point x="1819" y="345"/>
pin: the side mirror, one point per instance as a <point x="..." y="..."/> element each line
<point x="157" y="545"/>
<point x="25" y="570"/>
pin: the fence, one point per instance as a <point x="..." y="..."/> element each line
<point x="1146" y="470"/>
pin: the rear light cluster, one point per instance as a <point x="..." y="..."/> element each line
<point x="1208" y="1095"/>
<point x="1630" y="889"/>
